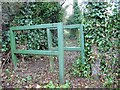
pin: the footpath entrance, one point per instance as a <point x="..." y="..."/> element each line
<point x="59" y="51"/>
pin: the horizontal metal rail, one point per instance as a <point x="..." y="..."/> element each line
<point x="68" y="48"/>
<point x="42" y="52"/>
<point x="27" y="27"/>
<point x="72" y="26"/>
<point x="72" y="48"/>
<point x="51" y="26"/>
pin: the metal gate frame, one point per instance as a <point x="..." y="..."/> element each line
<point x="56" y="51"/>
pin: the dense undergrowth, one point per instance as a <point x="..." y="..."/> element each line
<point x="31" y="14"/>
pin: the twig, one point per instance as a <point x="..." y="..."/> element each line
<point x="8" y="57"/>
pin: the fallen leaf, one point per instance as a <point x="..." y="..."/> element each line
<point x="38" y="86"/>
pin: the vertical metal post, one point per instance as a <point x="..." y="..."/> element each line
<point x="82" y="43"/>
<point x="13" y="48"/>
<point x="61" y="52"/>
<point x="49" y="36"/>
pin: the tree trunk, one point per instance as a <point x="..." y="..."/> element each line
<point x="96" y="64"/>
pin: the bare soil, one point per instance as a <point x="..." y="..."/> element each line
<point x="37" y="68"/>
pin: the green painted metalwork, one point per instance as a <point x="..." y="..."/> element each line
<point x="82" y="43"/>
<point x="13" y="47"/>
<point x="69" y="49"/>
<point x="41" y="52"/>
<point x="69" y="27"/>
<point x="49" y="36"/>
<point x="59" y="51"/>
<point x="35" y="26"/>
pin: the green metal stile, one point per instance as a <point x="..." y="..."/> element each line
<point x="13" y="48"/>
<point x="59" y="51"/>
<point x="69" y="49"/>
<point x="82" y="43"/>
<point x="34" y="27"/>
<point x="41" y="52"/>
<point x="49" y="36"/>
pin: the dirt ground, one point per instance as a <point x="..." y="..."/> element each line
<point x="38" y="73"/>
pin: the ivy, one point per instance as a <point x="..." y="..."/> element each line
<point x="101" y="29"/>
<point x="33" y="13"/>
<point x="103" y="26"/>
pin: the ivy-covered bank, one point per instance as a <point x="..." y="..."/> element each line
<point x="102" y="43"/>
